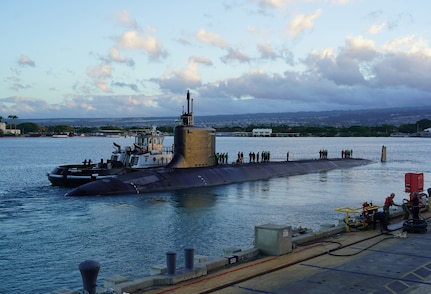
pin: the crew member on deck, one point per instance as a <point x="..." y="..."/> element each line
<point x="415" y="205"/>
<point x="389" y="201"/>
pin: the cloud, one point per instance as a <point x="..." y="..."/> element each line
<point x="114" y="56"/>
<point x="342" y="2"/>
<point x="360" y="48"/>
<point x="26" y="61"/>
<point x="259" y="85"/>
<point x="176" y="80"/>
<point x="235" y="55"/>
<point x="356" y="76"/>
<point x="101" y="85"/>
<point x="403" y="69"/>
<point x="258" y="31"/>
<point x="18" y="86"/>
<point x="272" y="3"/>
<point x="266" y="51"/>
<point x="26" y="105"/>
<point x="133" y="87"/>
<point x="135" y="40"/>
<point x="132" y="105"/>
<point x="350" y="66"/>
<point x="360" y="72"/>
<point x="99" y="72"/>
<point x="325" y="88"/>
<point x="302" y="22"/>
<point x="341" y="69"/>
<point x="266" y="5"/>
<point x="201" y="60"/>
<point x="399" y="65"/>
<point x="397" y="20"/>
<point x="407" y="44"/>
<point x="184" y="41"/>
<point x="376" y="28"/>
<point x="124" y="18"/>
<point x="210" y="38"/>
<point x="95" y="106"/>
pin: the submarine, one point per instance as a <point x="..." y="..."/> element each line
<point x="195" y="165"/>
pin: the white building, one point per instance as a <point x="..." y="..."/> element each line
<point x="9" y="131"/>
<point x="261" y="132"/>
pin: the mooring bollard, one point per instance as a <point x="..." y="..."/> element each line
<point x="89" y="270"/>
<point x="171" y="262"/>
<point x="189" y="257"/>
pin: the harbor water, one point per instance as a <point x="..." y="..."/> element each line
<point x="45" y="235"/>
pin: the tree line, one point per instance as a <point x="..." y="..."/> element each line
<point x="384" y="130"/>
<point x="30" y="128"/>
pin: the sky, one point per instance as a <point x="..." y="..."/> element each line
<point x="106" y="58"/>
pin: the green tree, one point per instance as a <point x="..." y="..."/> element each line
<point x="359" y="131"/>
<point x="86" y="130"/>
<point x="166" y="129"/>
<point x="423" y="124"/>
<point x="29" y="127"/>
<point x="61" y="129"/>
<point x="108" y="127"/>
<point x="407" y="128"/>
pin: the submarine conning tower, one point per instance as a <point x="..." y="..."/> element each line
<point x="193" y="146"/>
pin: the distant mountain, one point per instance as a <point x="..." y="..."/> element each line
<point x="337" y="118"/>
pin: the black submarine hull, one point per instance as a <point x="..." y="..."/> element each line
<point x="169" y="179"/>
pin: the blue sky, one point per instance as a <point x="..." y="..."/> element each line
<point x="63" y="59"/>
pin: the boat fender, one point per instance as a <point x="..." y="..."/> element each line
<point x="415" y="226"/>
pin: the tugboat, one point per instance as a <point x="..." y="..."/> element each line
<point x="147" y="152"/>
<point x="195" y="165"/>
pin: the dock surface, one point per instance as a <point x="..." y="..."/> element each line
<point x="356" y="262"/>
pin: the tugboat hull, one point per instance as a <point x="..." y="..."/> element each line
<point x="75" y="175"/>
<point x="147" y="152"/>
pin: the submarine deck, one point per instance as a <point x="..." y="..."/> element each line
<point x="166" y="179"/>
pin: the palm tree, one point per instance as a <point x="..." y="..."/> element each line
<point x="12" y="117"/>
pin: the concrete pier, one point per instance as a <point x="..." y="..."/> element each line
<point x="328" y="261"/>
<point x="362" y="262"/>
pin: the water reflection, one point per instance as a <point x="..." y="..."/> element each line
<point x="195" y="198"/>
